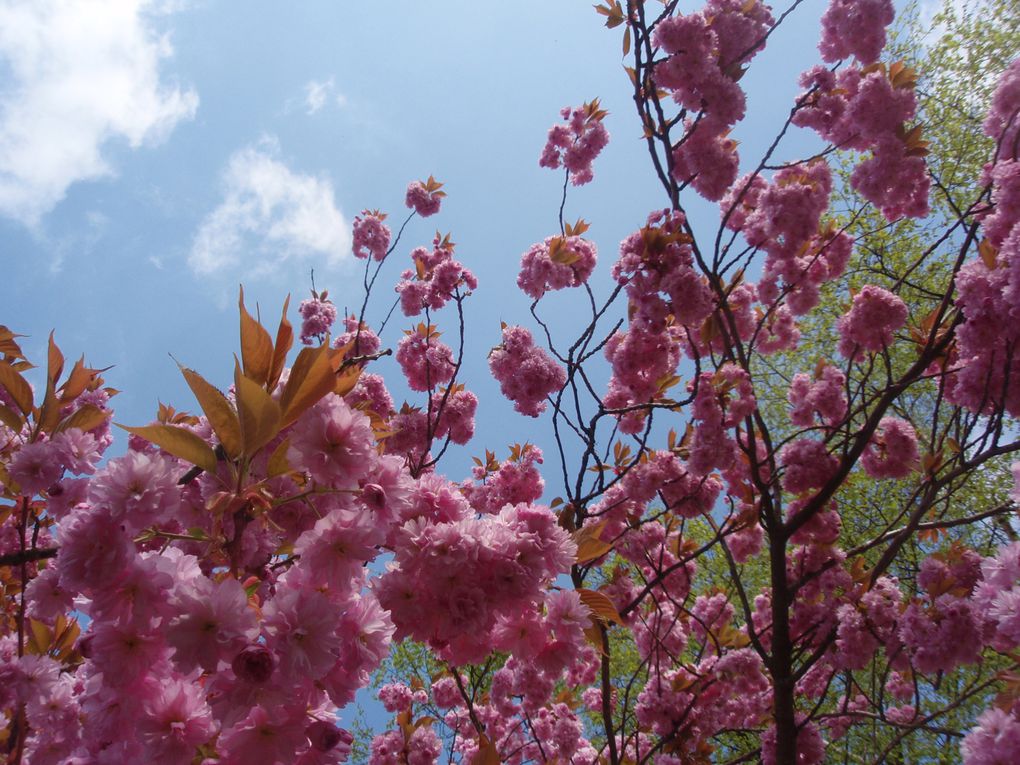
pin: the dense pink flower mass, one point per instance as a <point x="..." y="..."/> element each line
<point x="576" y="144"/>
<point x="426" y="362"/>
<point x="317" y="317"/>
<point x="424" y="197"/>
<point x="371" y="236"/>
<point x="556" y="263"/>
<point x="869" y="325"/>
<point x="855" y="28"/>
<point x="892" y="452"/>
<point x="526" y="373"/>
<point x="436" y="279"/>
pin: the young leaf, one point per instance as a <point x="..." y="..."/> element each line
<point x="179" y="442"/>
<point x="600" y="605"/>
<point x="218" y="411"/>
<point x="312" y="377"/>
<point x="86" y="418"/>
<point x="256" y="346"/>
<point x="258" y="413"/>
<point x="284" y="341"/>
<point x="16" y="385"/>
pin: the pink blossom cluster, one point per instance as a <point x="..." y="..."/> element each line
<point x="868" y="326"/>
<point x="892" y="451"/>
<point x="656" y="266"/>
<point x="556" y="263"/>
<point x="449" y="581"/>
<point x="424" y="197"/>
<point x="721" y="402"/>
<point x="706" y="158"/>
<point x="526" y="373"/>
<point x="317" y="318"/>
<point x="822" y="396"/>
<point x="425" y="361"/>
<point x="435" y="280"/>
<point x="855" y="28"/>
<point x="514" y="481"/>
<point x="867" y="110"/>
<point x="985" y="375"/>
<point x="576" y="144"/>
<point x="362" y="340"/>
<point x="1002" y="123"/>
<point x="371" y="237"/>
<point x="784" y="219"/>
<point x="643" y="357"/>
<point x="708" y="52"/>
<point x="207" y="660"/>
<point x="656" y="260"/>
<point x="997" y="597"/>
<point x="807" y="465"/>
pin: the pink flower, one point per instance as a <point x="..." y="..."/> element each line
<point x="426" y="362"/>
<point x="424" y="196"/>
<point x="36" y="466"/>
<point x="892" y="451"/>
<point x="706" y="157"/>
<point x="855" y="27"/>
<point x="263" y="737"/>
<point x="302" y="630"/>
<point x="994" y="741"/>
<point x="137" y="490"/>
<point x="317" y="315"/>
<point x="176" y="720"/>
<point x="869" y="325"/>
<point x="212" y="624"/>
<point x="254" y="663"/>
<point x="396" y="697"/>
<point x="556" y="263"/>
<point x="576" y="144"/>
<point x="371" y="236"/>
<point x="807" y="465"/>
<point x="526" y="373"/>
<point x="333" y="443"/>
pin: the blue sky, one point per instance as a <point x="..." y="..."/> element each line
<point x="154" y="155"/>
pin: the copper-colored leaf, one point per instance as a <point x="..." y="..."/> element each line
<point x="39" y="637"/>
<point x="312" y="377"/>
<point x="284" y="341"/>
<point x="55" y="361"/>
<point x="258" y="412"/>
<point x="487" y="753"/>
<point x="218" y="411"/>
<point x="278" y="464"/>
<point x="179" y="442"/>
<point x="589" y="543"/>
<point x="77" y="382"/>
<point x="86" y="418"/>
<point x="346" y="380"/>
<point x="17" y="386"/>
<point x="10" y="418"/>
<point x="256" y="346"/>
<point x="49" y="412"/>
<point x="600" y="605"/>
<point x="989" y="254"/>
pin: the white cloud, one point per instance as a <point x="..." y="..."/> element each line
<point x="316" y="94"/>
<point x="269" y="214"/>
<point x="77" y="73"/>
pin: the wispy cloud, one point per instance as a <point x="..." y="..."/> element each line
<point x="316" y="94"/>
<point x="78" y="75"/>
<point x="269" y="214"/>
